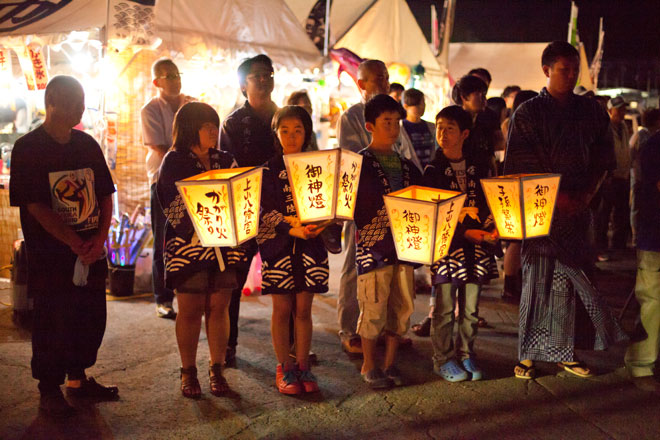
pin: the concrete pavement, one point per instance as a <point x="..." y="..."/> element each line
<point x="139" y="354"/>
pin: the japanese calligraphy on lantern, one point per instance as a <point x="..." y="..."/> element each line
<point x="324" y="183"/>
<point x="223" y="204"/>
<point x="423" y="221"/>
<point x="40" y="74"/>
<point x="522" y="204"/>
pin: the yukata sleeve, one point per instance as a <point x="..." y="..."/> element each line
<point x="524" y="142"/>
<point x="271" y="219"/>
<point x="170" y="200"/>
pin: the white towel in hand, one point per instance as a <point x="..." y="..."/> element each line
<point x="81" y="271"/>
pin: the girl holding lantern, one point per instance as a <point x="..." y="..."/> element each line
<point x="470" y="261"/>
<point x="202" y="283"/>
<point x="294" y="258"/>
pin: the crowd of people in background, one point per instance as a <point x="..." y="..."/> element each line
<point x="608" y="176"/>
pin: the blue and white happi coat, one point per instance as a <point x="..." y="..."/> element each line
<point x="289" y="264"/>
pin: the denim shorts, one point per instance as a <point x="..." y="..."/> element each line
<point x="207" y="281"/>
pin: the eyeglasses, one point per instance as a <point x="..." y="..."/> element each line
<point x="264" y="75"/>
<point x="171" y="76"/>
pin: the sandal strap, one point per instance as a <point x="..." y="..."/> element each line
<point x="190" y="371"/>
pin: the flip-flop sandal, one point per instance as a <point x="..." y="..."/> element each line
<point x="529" y="371"/>
<point x="423" y="328"/>
<point x="571" y="366"/>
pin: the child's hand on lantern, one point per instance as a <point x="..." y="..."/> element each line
<point x="293" y="221"/>
<point x="477" y="236"/>
<point x="313" y="231"/>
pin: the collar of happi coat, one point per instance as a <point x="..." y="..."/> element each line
<point x="380" y="172"/>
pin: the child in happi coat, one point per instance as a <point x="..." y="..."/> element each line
<point x="470" y="262"/>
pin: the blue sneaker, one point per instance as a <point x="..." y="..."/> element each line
<point x="472" y="368"/>
<point x="450" y="371"/>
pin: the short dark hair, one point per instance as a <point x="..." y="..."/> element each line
<point x="245" y="67"/>
<point x="297" y="112"/>
<point x="413" y="97"/>
<point x="496" y="104"/>
<point x="188" y="121"/>
<point x="650" y="117"/>
<point x="396" y="87"/>
<point x="509" y="90"/>
<point x="482" y="72"/>
<point x="380" y="104"/>
<point x="297" y="96"/>
<point x="522" y="96"/>
<point x="466" y="86"/>
<point x="159" y="64"/>
<point x="558" y="49"/>
<point x="457" y="114"/>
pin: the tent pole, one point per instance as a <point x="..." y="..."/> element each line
<point x="327" y="27"/>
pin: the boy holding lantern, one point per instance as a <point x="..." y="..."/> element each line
<point x="385" y="286"/>
<point x="470" y="261"/>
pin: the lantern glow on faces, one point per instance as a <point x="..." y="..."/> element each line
<point x="324" y="183"/>
<point x="522" y="204"/>
<point x="223" y="204"/>
<point x="423" y="221"/>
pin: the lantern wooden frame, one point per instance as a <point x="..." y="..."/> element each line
<point x="338" y="161"/>
<point x="228" y="183"/>
<point x="440" y="212"/>
<point x="520" y="190"/>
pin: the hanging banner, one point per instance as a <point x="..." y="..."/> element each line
<point x="5" y="63"/>
<point x="40" y="73"/>
<point x="131" y="23"/>
<point x="26" y="67"/>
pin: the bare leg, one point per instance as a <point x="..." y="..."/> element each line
<point x="369" y="354"/>
<point x="391" y="346"/>
<point x="512" y="259"/>
<point x="303" y="328"/>
<point x="217" y="324"/>
<point x="279" y="327"/>
<point x="188" y="326"/>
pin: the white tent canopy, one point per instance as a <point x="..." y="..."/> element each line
<point x="242" y="26"/>
<point x="51" y="17"/>
<point x="389" y="32"/>
<point x="508" y="63"/>
<point x="343" y="14"/>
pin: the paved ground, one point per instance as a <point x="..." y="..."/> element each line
<point x="139" y="354"/>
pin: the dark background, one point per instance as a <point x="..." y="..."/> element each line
<point x="632" y="31"/>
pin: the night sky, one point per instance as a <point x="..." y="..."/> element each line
<point x="632" y="29"/>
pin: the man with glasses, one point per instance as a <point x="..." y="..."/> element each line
<point x="157" y="119"/>
<point x="246" y="134"/>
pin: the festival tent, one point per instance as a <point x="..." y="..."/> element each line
<point x="206" y="39"/>
<point x="343" y="13"/>
<point x="508" y="63"/>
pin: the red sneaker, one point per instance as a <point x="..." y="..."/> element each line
<point x="287" y="381"/>
<point x="308" y="381"/>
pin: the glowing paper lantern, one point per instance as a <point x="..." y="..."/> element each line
<point x="423" y="221"/>
<point x="223" y="204"/>
<point x="522" y="204"/>
<point x="399" y="73"/>
<point x="324" y="183"/>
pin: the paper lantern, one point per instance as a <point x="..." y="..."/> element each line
<point x="223" y="204"/>
<point x="423" y="221"/>
<point x="324" y="183"/>
<point x="522" y="204"/>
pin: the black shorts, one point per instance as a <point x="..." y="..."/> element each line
<point x="207" y="281"/>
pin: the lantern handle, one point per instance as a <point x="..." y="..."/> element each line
<point x="221" y="261"/>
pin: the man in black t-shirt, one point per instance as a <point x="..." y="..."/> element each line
<point x="63" y="187"/>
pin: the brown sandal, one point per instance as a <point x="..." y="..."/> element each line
<point x="218" y="383"/>
<point x="190" y="387"/>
